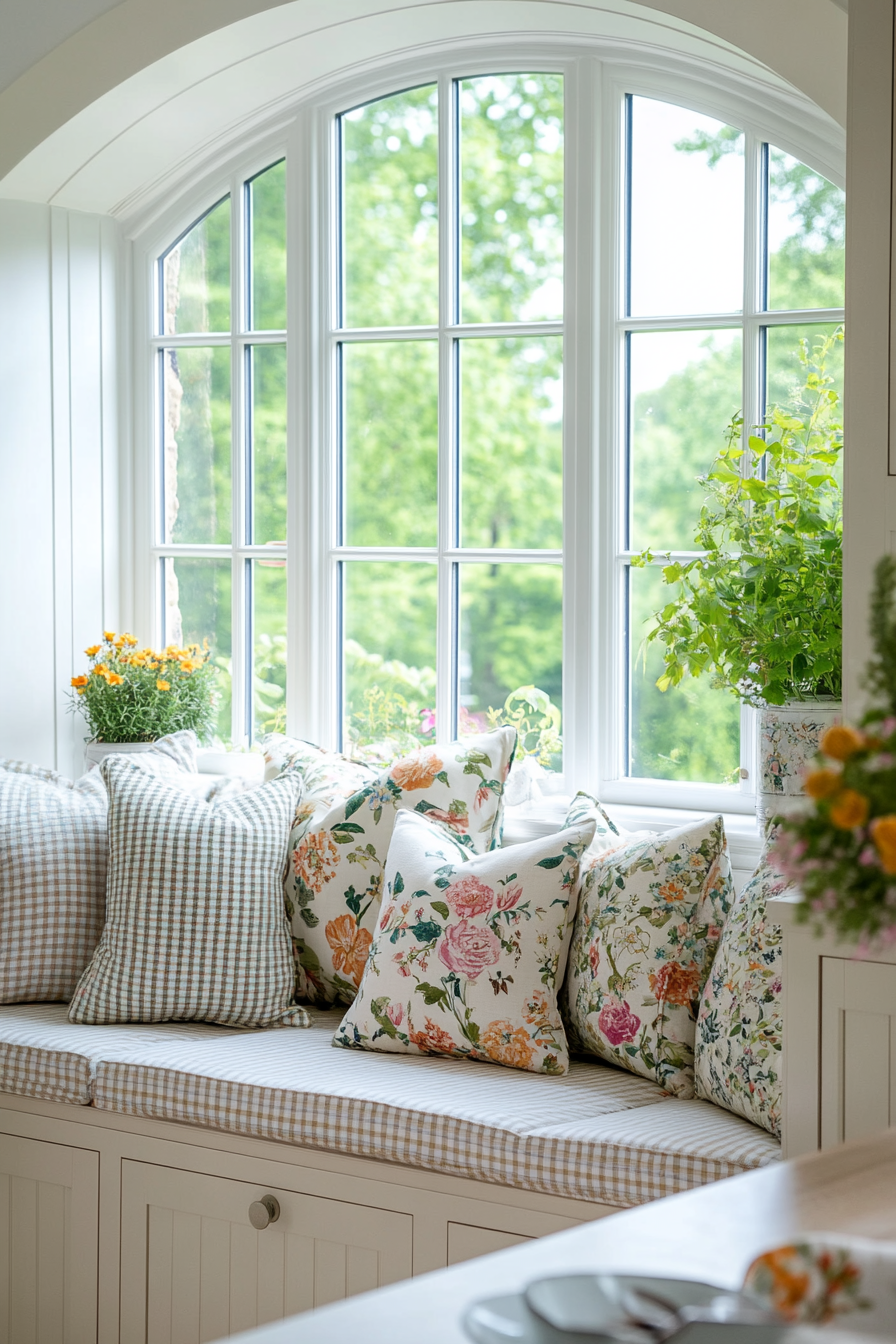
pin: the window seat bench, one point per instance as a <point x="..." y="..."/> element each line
<point x="382" y="1166"/>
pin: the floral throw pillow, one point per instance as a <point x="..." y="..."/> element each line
<point x="740" y="1025"/>
<point x="466" y="957"/>
<point x="338" y="851"/>
<point x="324" y="773"/>
<point x="648" y="923"/>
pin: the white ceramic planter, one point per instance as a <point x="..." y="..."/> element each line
<point x="788" y="739"/>
<point x="95" y="752"/>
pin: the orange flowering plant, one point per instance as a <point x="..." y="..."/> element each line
<point x="131" y="694"/>
<point x="841" y="849"/>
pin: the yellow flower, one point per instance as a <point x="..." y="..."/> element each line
<point x="119" y="642"/>
<point x="114" y="679"/>
<point x="822" y="783"/>
<point x="79" y="681"/>
<point x="93" y="650"/>
<point x="162" y="685"/>
<point x="81" y="690"/>
<point x="883" y="833"/>
<point x="130" y="639"/>
<point x="841" y="742"/>
<point x="100" y="670"/>
<point x="850" y="809"/>
<point x="109" y="635"/>
<point x="188" y="665"/>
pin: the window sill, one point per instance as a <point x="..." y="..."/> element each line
<point x="543" y="816"/>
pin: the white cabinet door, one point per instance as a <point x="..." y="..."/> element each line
<point x="465" y="1241"/>
<point x="858" y="1049"/>
<point x="194" y="1269"/>
<point x="48" y="1242"/>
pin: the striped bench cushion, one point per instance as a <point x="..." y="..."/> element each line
<point x="597" y="1134"/>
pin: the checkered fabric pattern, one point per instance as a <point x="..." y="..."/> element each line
<point x="620" y="1141"/>
<point x="52" y="880"/>
<point x="195" y="927"/>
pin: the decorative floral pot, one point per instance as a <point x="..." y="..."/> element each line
<point x="788" y="739"/>
<point x="94" y="752"/>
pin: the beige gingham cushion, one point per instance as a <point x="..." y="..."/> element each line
<point x="52" y="880"/>
<point x="195" y="926"/>
<point x="596" y="1134"/>
<point x="44" y="1055"/>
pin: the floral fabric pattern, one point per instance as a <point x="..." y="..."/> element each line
<point x="820" y="1281"/>
<point x="325" y="773"/>
<point x="649" y="919"/>
<point x="339" y="843"/>
<point x="466" y="957"/>
<point x="740" y="1023"/>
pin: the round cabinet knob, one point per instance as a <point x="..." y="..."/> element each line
<point x="263" y="1211"/>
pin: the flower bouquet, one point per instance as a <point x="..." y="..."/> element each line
<point x="840" y="849"/>
<point x="137" y="695"/>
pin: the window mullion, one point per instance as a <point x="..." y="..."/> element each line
<point x="240" y="653"/>
<point x="448" y="451"/>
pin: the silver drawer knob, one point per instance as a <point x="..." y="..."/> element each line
<point x="263" y="1211"/>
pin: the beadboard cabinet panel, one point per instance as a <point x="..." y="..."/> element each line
<point x="48" y="1242"/>
<point x="197" y="1270"/>
<point x="858" y="1049"/>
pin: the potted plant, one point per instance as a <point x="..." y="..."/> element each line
<point x="759" y="610"/>
<point x="132" y="696"/>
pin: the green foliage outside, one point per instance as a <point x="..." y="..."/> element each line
<point x="511" y="175"/>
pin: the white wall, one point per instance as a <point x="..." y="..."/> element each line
<point x="59" y="363"/>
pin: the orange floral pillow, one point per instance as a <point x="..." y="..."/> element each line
<point x="468" y="952"/>
<point x="649" y="920"/>
<point x="338" y="850"/>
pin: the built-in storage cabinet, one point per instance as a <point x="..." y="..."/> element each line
<point x="196" y="1268"/>
<point x="466" y="1242"/>
<point x="839" y="1060"/>
<point x="858" y="1049"/>
<point x="48" y="1242"/>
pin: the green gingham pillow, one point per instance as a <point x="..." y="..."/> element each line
<point x="52" y="880"/>
<point x="338" y="850"/>
<point x="195" y="927"/>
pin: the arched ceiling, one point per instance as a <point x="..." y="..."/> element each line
<point x="130" y="100"/>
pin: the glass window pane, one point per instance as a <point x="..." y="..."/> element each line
<point x="391" y="391"/>
<point x="511" y="646"/>
<point x="690" y="732"/>
<point x="197" y="445"/>
<point x="512" y="442"/>
<point x="794" y="355"/>
<point x="390" y="225"/>
<point x="267" y="206"/>
<point x="269" y="443"/>
<point x="687" y="220"/>
<point x="511" y="169"/>
<point x="806" y="233"/>
<point x="269" y="625"/>
<point x="196" y="609"/>
<point x="685" y="388"/>
<point x="389" y="621"/>
<point x="195" y="279"/>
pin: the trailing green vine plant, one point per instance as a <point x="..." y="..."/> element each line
<point x="759" y="611"/>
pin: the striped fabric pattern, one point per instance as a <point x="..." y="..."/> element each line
<point x="52" y="880"/>
<point x="620" y="1141"/>
<point x="195" y="927"/>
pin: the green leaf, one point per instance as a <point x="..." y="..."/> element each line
<point x="433" y="994"/>
<point x="441" y="909"/>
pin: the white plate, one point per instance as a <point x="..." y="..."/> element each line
<point x="585" y="1303"/>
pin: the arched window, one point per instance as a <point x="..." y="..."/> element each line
<point x="526" y="300"/>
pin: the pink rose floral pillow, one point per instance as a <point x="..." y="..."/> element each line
<point x="649" y="919"/>
<point x="466" y="958"/>
<point x="338" y="849"/>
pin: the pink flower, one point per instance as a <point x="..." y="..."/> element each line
<point x="617" y="1021"/>
<point x="427" y="720"/>
<point x="395" y="1013"/>
<point x="594" y="958"/>
<point x="508" y="898"/>
<point x="468" y="950"/>
<point x="468" y="896"/>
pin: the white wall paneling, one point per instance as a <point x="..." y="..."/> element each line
<point x="59" y="439"/>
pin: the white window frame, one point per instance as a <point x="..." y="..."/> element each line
<point x="597" y="77"/>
